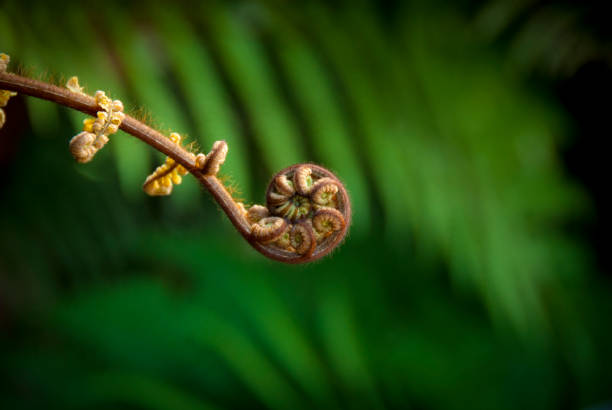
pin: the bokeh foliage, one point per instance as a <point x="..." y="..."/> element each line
<point x="460" y="285"/>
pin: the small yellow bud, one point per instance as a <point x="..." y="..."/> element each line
<point x="117" y="118"/>
<point x="103" y="101"/>
<point x="97" y="127"/>
<point x="163" y="179"/>
<point x="200" y="160"/>
<point x="181" y="170"/>
<point x="4" y="94"/>
<point x="4" y="97"/>
<point x="88" y="124"/>
<point x="111" y="129"/>
<point x="73" y="85"/>
<point x="241" y="207"/>
<point x="117" y="105"/>
<point x="100" y="142"/>
<point x="4" y="61"/>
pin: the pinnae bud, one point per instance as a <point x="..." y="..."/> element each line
<point x="256" y="213"/>
<point x="268" y="229"/>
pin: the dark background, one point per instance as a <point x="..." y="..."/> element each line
<point x="472" y="137"/>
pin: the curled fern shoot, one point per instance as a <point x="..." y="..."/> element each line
<point x="307" y="209"/>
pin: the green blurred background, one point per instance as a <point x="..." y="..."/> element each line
<point x="468" y="134"/>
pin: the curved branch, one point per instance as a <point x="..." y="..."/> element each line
<point x="155" y="139"/>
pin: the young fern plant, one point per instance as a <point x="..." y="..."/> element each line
<point x="307" y="211"/>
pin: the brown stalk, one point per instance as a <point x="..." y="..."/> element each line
<point x="155" y="139"/>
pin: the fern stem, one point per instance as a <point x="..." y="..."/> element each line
<point x="236" y="214"/>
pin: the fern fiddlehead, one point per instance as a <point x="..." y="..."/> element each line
<point x="307" y="211"/>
